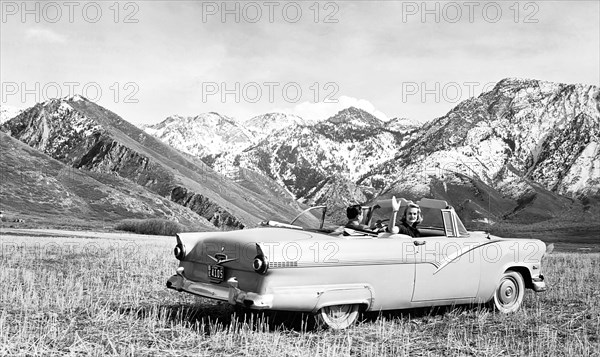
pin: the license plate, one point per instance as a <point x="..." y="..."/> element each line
<point x="216" y="273"/>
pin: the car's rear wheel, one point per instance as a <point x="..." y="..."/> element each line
<point x="337" y="317"/>
<point x="509" y="292"/>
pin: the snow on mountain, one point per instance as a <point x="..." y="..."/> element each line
<point x="401" y="124"/>
<point x="8" y="112"/>
<point x="210" y="135"/>
<point x="522" y="131"/>
<point x="312" y="161"/>
<point x="202" y="135"/>
<point x="355" y="117"/>
<point x="263" y="125"/>
<point x="299" y="154"/>
<point x="54" y="128"/>
<point x="521" y="139"/>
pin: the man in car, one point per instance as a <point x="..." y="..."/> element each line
<point x="355" y="217"/>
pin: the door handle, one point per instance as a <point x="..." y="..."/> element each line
<point x="419" y="242"/>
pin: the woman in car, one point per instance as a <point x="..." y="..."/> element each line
<point x="410" y="219"/>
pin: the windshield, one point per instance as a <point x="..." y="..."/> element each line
<point x="432" y="218"/>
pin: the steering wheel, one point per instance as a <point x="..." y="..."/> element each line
<point x="381" y="226"/>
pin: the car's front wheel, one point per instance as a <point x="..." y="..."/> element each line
<point x="509" y="292"/>
<point x="337" y="317"/>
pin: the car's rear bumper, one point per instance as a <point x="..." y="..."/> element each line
<point x="212" y="291"/>
<point x="229" y="292"/>
<point x="538" y="284"/>
<point x="246" y="298"/>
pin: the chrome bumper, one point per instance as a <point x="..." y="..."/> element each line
<point x="230" y="293"/>
<point x="248" y="299"/>
<point x="538" y="284"/>
<point x="212" y="291"/>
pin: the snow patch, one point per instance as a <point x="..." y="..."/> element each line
<point x="8" y="112"/>
<point x="584" y="174"/>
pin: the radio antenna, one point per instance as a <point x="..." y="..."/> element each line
<point x="489" y="216"/>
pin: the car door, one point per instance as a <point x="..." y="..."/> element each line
<point x="445" y="268"/>
<point x="392" y="273"/>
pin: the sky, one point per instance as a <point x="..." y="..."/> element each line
<point x="147" y="60"/>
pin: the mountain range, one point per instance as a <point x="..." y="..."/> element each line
<point x="316" y="162"/>
<point x="87" y="137"/>
<point x="526" y="151"/>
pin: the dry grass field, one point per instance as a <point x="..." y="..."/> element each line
<point x="104" y="294"/>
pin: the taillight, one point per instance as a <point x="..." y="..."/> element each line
<point x="260" y="264"/>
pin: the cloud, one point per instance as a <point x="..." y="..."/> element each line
<point x="321" y="111"/>
<point x="45" y="35"/>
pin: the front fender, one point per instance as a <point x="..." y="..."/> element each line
<point x="523" y="256"/>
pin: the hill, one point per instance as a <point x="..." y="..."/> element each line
<point x="45" y="192"/>
<point x="84" y="135"/>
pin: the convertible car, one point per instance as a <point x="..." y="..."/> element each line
<point x="336" y="272"/>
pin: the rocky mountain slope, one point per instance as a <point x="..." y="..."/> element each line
<point x="526" y="150"/>
<point x="203" y="135"/>
<point x="210" y="135"/>
<point x="315" y="162"/>
<point x="86" y="136"/>
<point x="39" y="189"/>
<point x="534" y="144"/>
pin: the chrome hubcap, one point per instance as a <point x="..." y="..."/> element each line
<point x="508" y="292"/>
<point x="340" y="316"/>
<point x="339" y="312"/>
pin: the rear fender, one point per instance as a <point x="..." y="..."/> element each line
<point x="187" y="242"/>
<point x="361" y="294"/>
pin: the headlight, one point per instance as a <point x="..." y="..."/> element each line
<point x="179" y="251"/>
<point x="260" y="264"/>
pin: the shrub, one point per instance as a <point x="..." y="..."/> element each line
<point x="153" y="226"/>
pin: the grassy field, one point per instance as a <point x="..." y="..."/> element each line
<point x="104" y="294"/>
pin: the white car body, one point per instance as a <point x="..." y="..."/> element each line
<point x="337" y="273"/>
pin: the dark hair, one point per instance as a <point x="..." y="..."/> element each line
<point x="419" y="215"/>
<point x="353" y="211"/>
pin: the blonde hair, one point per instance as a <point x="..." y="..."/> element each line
<point x="419" y="215"/>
